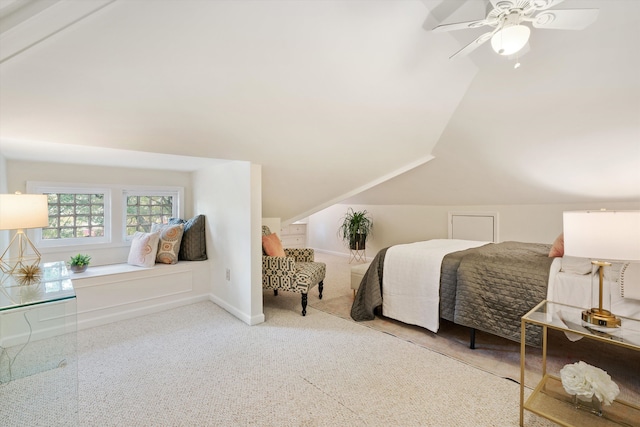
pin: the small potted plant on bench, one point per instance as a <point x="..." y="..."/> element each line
<point x="79" y="263"/>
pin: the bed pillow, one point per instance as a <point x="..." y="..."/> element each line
<point x="272" y="245"/>
<point x="630" y="281"/>
<point x="612" y="273"/>
<point x="144" y="248"/>
<point x="557" y="249"/>
<point x="169" y="245"/>
<point x="575" y="265"/>
<point x="194" y="245"/>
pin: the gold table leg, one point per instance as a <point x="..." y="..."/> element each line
<point x="522" y="352"/>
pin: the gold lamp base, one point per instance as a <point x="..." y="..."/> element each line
<point x="600" y="317"/>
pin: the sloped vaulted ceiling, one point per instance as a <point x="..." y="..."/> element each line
<point x="328" y="96"/>
<point x="335" y="97"/>
<point x="562" y="128"/>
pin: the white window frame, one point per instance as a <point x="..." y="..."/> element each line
<point x="42" y="188"/>
<point x="115" y="211"/>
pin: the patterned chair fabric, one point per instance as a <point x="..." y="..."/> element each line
<point x="296" y="272"/>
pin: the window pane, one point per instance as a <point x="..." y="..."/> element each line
<point x="82" y="198"/>
<point x="66" y="198"/>
<point x="66" y="233"/>
<point x="82" y="210"/>
<point x="74" y="216"/>
<point x="48" y="233"/>
<point x="66" y="210"/>
<point x="146" y="211"/>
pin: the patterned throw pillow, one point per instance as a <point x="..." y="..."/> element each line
<point x="194" y="244"/>
<point x="144" y="248"/>
<point x="169" y="245"/>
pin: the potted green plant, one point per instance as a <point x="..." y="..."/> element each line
<point x="79" y="263"/>
<point x="355" y="229"/>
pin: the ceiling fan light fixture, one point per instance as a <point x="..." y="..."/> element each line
<point x="510" y="40"/>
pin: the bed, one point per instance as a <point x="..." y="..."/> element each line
<point x="484" y="286"/>
<point x="571" y="280"/>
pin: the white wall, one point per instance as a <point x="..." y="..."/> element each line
<point x="394" y="224"/>
<point x="230" y="196"/>
<point x="274" y="224"/>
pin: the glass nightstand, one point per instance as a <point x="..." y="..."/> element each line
<point x="38" y="347"/>
<point x="549" y="398"/>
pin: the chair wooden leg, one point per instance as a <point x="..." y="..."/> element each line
<point x="320" y="286"/>
<point x="275" y="292"/>
<point x="304" y="304"/>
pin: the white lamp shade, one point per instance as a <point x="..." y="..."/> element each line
<point x="602" y="235"/>
<point x="510" y="40"/>
<point x="19" y="211"/>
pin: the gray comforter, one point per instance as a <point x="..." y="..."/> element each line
<point x="369" y="295"/>
<point x="487" y="288"/>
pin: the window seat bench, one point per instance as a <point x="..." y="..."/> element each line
<point x="108" y="293"/>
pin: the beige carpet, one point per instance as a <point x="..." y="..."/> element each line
<point x="492" y="354"/>
<point x="199" y="366"/>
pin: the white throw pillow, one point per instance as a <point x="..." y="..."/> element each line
<point x="144" y="248"/>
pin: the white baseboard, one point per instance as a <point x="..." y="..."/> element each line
<point x="340" y="254"/>
<point x="248" y="319"/>
<point x="324" y="251"/>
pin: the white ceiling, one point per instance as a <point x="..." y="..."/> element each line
<point x="331" y="97"/>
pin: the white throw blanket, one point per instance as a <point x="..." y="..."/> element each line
<point x="411" y="280"/>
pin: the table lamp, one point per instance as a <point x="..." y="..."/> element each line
<point x="19" y="212"/>
<point x="602" y="236"/>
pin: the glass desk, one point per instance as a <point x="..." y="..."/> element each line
<point x="51" y="285"/>
<point x="38" y="347"/>
<point x="549" y="398"/>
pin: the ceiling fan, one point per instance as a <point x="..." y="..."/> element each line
<point x="509" y="34"/>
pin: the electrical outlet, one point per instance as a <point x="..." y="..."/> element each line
<point x="228" y="274"/>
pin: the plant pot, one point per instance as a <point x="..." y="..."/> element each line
<point x="78" y="268"/>
<point x="358" y="242"/>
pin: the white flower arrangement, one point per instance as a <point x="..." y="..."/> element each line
<point x="583" y="380"/>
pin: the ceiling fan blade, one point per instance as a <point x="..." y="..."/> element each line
<point x="573" y="19"/>
<point x="460" y="25"/>
<point x="473" y="45"/>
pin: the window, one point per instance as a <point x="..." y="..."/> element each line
<point x="77" y="215"/>
<point x="86" y="214"/>
<point x="73" y="215"/>
<point x="145" y="208"/>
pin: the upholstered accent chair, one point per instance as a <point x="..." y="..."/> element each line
<point x="295" y="272"/>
